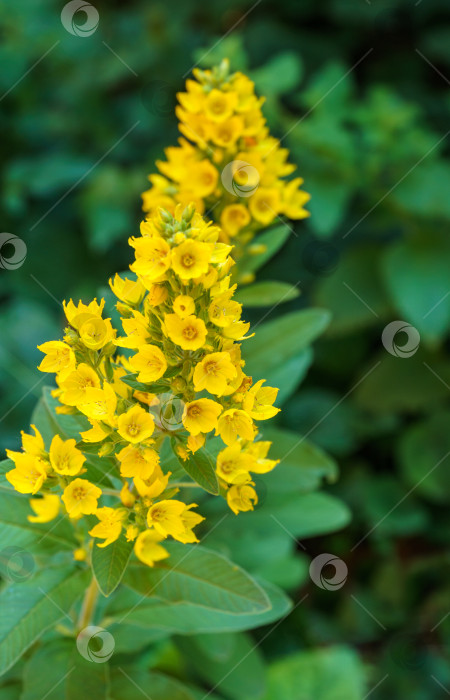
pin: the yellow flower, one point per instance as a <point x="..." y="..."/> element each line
<point x="148" y="549"/>
<point x="223" y="311"/>
<point x="135" y="462"/>
<point x="184" y="306"/>
<point x="241" y="498"/>
<point x="190" y="520"/>
<point x="258" y="401"/>
<point x="154" y="485"/>
<point x="110" y="525"/>
<point x="235" y="423"/>
<point x="100" y="404"/>
<point x="29" y="473"/>
<point x="157" y="293"/>
<point x="234" y="218"/>
<point x="136" y="425"/>
<point x="129" y="291"/>
<point x="189" y="332"/>
<point x="59" y="358"/>
<point x="137" y="332"/>
<point x="191" y="259"/>
<point x="33" y="444"/>
<point x="76" y="315"/>
<point x="80" y="497"/>
<point x="96" y="332"/>
<point x="194" y="443"/>
<point x="126" y="496"/>
<point x="165" y="517"/>
<point x="149" y="363"/>
<point x="46" y="508"/>
<point x="75" y="386"/>
<point x="131" y="533"/>
<point x="220" y="105"/>
<point x="233" y="465"/>
<point x="152" y="257"/>
<point x="265" y="205"/>
<point x="203" y="178"/>
<point x="257" y="451"/>
<point x="200" y="416"/>
<point x="65" y="458"/>
<point x="213" y="373"/>
<point x="95" y="434"/>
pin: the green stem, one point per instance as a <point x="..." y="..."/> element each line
<point x="89" y="601"/>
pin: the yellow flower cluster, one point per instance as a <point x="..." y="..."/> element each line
<point x="227" y="162"/>
<point x="181" y="348"/>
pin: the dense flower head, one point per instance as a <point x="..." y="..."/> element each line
<point x="174" y="375"/>
<point x="227" y="162"/>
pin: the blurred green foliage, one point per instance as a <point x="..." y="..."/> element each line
<point x="357" y="91"/>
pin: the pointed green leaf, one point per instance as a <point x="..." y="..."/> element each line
<point x="266" y="293"/>
<point x="109" y="564"/>
<point x="201" y="468"/>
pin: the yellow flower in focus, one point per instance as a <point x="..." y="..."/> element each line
<point x="110" y="525"/>
<point x="136" y="425"/>
<point x="189" y="332"/>
<point x="100" y="404"/>
<point x="95" y="434"/>
<point x="154" y="485"/>
<point x="190" y="520"/>
<point x="149" y="363"/>
<point x="75" y="386"/>
<point x="80" y="497"/>
<point x="129" y="291"/>
<point x="65" y="458"/>
<point x="241" y="498"/>
<point x="152" y="257"/>
<point x="200" y="416"/>
<point x="235" y="423"/>
<point x="165" y="517"/>
<point x="59" y="358"/>
<point x="76" y="315"/>
<point x="96" y="332"/>
<point x="135" y="462"/>
<point x="191" y="259"/>
<point x="33" y="444"/>
<point x="184" y="306"/>
<point x="214" y="372"/>
<point x="148" y="549"/>
<point x="258" y="401"/>
<point x="29" y="473"/>
<point x="46" y="508"/>
<point x="233" y="465"/>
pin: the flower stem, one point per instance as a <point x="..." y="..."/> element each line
<point x="88" y="606"/>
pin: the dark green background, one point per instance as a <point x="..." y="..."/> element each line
<point x="370" y="143"/>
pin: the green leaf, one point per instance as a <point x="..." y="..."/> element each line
<point x="19" y="532"/>
<point x="109" y="564"/>
<point x="238" y="674"/>
<point x="333" y="673"/>
<point x="57" y="671"/>
<point x="329" y="201"/>
<point x="33" y="606"/>
<point x="199" y="576"/>
<point x="278" y="347"/>
<point x="273" y="239"/>
<point x="266" y="293"/>
<point x="133" y="683"/>
<point x="416" y="275"/>
<point x="423" y="454"/>
<point x="201" y="468"/>
<point x="189" y="618"/>
<point x="303" y="466"/>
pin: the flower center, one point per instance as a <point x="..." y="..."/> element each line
<point x="188" y="260"/>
